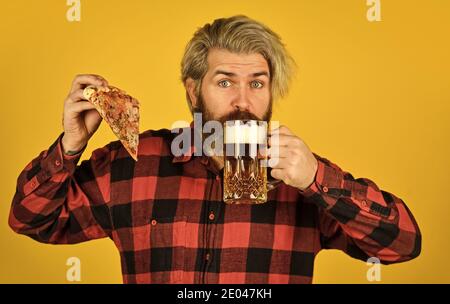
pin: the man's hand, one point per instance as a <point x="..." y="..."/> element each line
<point x="80" y="119"/>
<point x="291" y="159"/>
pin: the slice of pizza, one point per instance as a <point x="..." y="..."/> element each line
<point x="121" y="113"/>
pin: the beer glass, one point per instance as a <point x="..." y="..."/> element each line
<point x="245" y="179"/>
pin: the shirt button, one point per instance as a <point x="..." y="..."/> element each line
<point x="208" y="256"/>
<point x="212" y="216"/>
<point x="57" y="163"/>
<point x="33" y="184"/>
<point x="364" y="203"/>
<point x="154" y="222"/>
<point x="325" y="189"/>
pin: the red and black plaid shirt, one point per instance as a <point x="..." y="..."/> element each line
<point x="166" y="216"/>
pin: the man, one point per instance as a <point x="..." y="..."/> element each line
<point x="165" y="213"/>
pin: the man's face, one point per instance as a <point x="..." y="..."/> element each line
<point x="236" y="86"/>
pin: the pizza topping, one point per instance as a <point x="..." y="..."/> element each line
<point x="120" y="111"/>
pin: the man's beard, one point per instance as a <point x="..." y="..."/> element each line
<point x="237" y="114"/>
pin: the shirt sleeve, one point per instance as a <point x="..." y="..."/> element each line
<point x="360" y="219"/>
<point x="58" y="202"/>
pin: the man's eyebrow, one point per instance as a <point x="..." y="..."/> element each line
<point x="264" y="73"/>
<point x="231" y="74"/>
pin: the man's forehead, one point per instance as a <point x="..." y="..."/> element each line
<point x="222" y="59"/>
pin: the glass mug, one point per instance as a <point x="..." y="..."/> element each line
<point x="246" y="176"/>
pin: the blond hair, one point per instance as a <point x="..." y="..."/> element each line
<point x="238" y="34"/>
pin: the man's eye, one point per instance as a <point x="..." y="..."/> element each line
<point x="224" y="83"/>
<point x="256" y="85"/>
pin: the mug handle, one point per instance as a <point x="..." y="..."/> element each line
<point x="272" y="183"/>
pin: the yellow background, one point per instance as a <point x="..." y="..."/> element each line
<point x="372" y="97"/>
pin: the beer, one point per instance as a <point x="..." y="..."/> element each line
<point x="245" y="162"/>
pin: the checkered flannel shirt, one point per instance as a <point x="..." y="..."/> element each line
<point x="167" y="218"/>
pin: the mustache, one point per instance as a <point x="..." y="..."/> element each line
<point x="239" y="115"/>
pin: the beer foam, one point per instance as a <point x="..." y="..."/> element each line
<point x="248" y="133"/>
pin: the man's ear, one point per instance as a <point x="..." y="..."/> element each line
<point x="189" y="84"/>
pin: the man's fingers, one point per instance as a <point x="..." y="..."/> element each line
<point x="281" y="130"/>
<point x="278" y="151"/>
<point x="75" y="96"/>
<point x="82" y="81"/>
<point x="277" y="174"/>
<point x="281" y="140"/>
<point x="279" y="162"/>
<point x="81" y="106"/>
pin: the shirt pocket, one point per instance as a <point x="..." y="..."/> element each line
<point x="168" y="246"/>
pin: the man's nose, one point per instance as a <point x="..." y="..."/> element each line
<point x="242" y="100"/>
